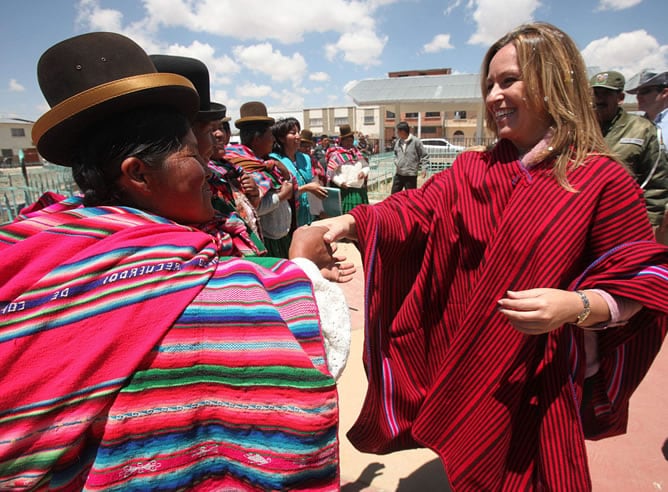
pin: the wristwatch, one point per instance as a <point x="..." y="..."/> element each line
<point x="587" y="308"/>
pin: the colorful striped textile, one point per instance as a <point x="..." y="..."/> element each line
<point x="228" y="199"/>
<point x="338" y="156"/>
<point x="137" y="356"/>
<point x="447" y="371"/>
<point x="266" y="173"/>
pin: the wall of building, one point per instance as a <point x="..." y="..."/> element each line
<point x="15" y="136"/>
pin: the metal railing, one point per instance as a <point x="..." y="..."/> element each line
<point x="16" y="192"/>
<point x="382" y="171"/>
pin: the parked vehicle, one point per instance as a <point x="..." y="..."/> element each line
<point x="441" y="153"/>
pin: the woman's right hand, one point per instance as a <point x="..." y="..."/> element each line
<point x="341" y="227"/>
<point x="314" y="188"/>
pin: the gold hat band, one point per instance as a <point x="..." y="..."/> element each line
<point x="102" y="93"/>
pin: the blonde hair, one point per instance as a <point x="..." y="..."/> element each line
<point x="556" y="82"/>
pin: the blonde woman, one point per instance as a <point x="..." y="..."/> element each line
<point x="516" y="300"/>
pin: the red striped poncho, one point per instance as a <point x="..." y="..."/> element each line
<point x="135" y="357"/>
<point x="449" y="372"/>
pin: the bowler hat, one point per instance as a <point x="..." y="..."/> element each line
<point x="649" y="78"/>
<point x="195" y="71"/>
<point x="306" y="136"/>
<point x="253" y="112"/>
<point x="345" y="131"/>
<point x="90" y="77"/>
<point x="608" y="80"/>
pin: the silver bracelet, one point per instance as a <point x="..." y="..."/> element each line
<point x="582" y="317"/>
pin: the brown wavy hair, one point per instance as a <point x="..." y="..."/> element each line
<point x="556" y="82"/>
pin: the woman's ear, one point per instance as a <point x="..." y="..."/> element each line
<point x="134" y="176"/>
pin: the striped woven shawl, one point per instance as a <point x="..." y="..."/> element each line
<point x="266" y="172"/>
<point x="135" y="357"/>
<point x="447" y="371"/>
<point x="338" y="156"/>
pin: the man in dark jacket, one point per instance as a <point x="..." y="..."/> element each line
<point x="409" y="156"/>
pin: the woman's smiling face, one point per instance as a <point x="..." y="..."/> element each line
<point x="506" y="101"/>
<point x="179" y="187"/>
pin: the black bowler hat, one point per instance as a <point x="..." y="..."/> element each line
<point x="195" y="71"/>
<point x="90" y="77"/>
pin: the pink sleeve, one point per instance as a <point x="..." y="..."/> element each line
<point x="621" y="309"/>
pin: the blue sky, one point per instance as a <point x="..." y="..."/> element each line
<point x="294" y="54"/>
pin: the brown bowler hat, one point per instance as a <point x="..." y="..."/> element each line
<point x="253" y="112"/>
<point x="345" y="131"/>
<point x="195" y="71"/>
<point x="306" y="136"/>
<point x="87" y="78"/>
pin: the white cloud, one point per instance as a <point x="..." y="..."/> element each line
<point x="290" y="100"/>
<point x="14" y="86"/>
<point x="439" y="43"/>
<point x="319" y="77"/>
<point x="360" y="48"/>
<point x="221" y="68"/>
<point x="279" y="20"/>
<point x="248" y="91"/>
<point x="264" y="59"/>
<point x="628" y="52"/>
<point x="494" y="18"/>
<point x="453" y="5"/>
<point x="359" y="41"/>
<point x="95" y="18"/>
<point x="617" y="4"/>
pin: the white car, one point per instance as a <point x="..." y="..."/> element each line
<point x="441" y="153"/>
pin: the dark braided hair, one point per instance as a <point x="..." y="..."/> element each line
<point x="148" y="133"/>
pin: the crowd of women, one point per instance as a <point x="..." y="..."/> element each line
<point x="513" y="302"/>
<point x="291" y="180"/>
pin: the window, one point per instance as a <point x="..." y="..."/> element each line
<point x="368" y="117"/>
<point x="431" y="131"/>
<point x="458" y="137"/>
<point x="411" y="115"/>
<point x="18" y="132"/>
<point x="315" y="122"/>
<point x="341" y="121"/>
<point x="460" y="115"/>
<point x="432" y="114"/>
<point x="7" y="153"/>
<point x="390" y="115"/>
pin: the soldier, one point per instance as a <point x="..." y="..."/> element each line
<point x="634" y="141"/>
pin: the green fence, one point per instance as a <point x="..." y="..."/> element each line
<point x="16" y="191"/>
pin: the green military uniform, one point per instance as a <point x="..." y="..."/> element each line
<point x="633" y="139"/>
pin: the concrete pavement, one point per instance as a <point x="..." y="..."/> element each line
<point x="637" y="461"/>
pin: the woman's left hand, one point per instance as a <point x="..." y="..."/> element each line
<point x="537" y="311"/>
